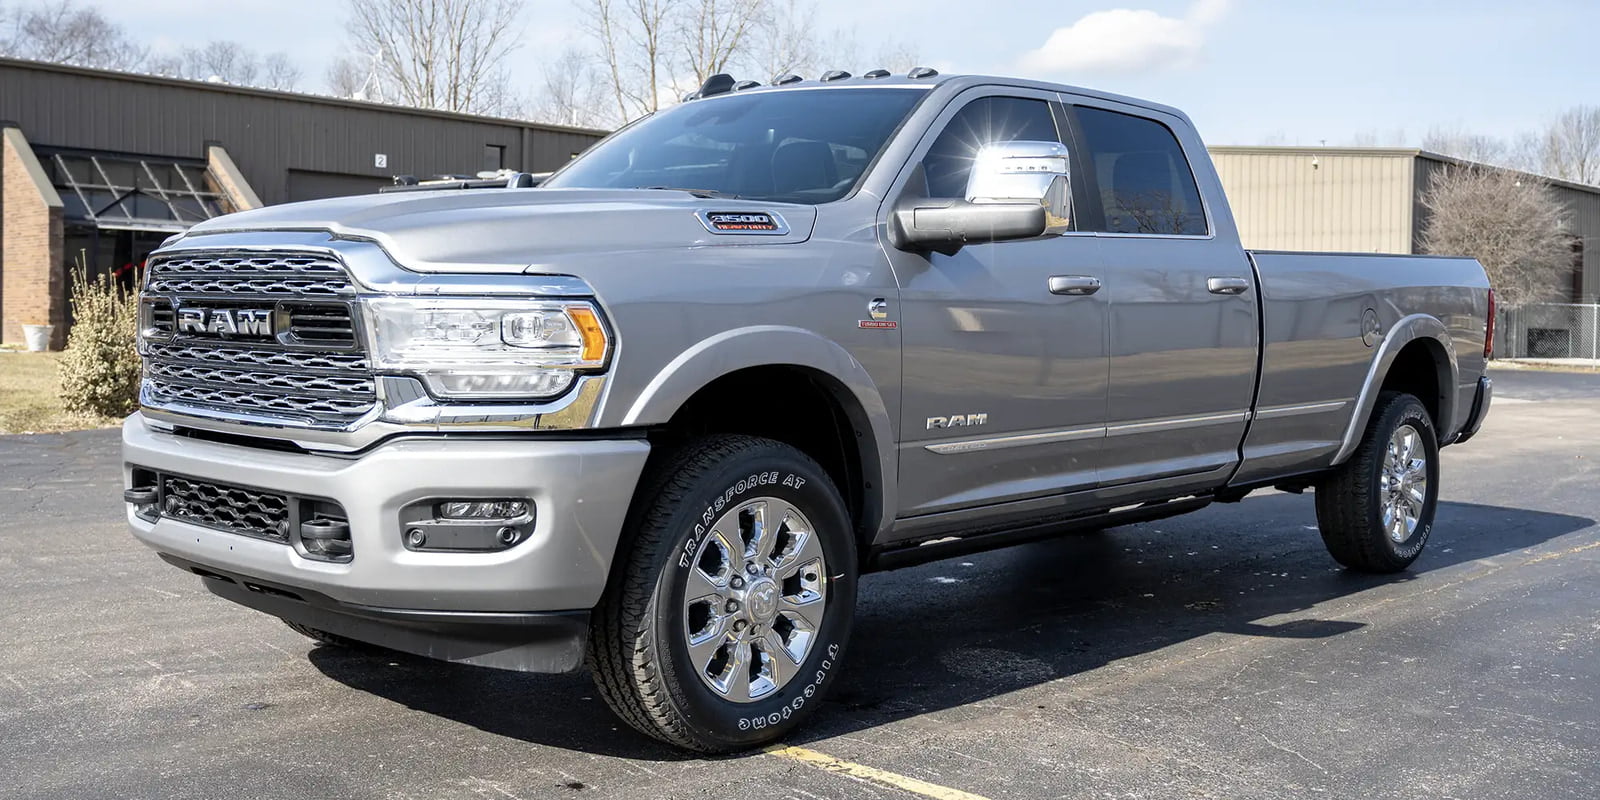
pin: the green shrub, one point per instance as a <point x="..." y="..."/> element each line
<point x="100" y="368"/>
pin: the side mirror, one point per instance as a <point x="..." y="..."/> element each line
<point x="945" y="226"/>
<point x="1016" y="190"/>
<point x="1025" y="172"/>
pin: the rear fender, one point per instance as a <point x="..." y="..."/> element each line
<point x="1404" y="332"/>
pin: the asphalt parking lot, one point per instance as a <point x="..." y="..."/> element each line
<point x="1221" y="655"/>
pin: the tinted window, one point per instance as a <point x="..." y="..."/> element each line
<point x="1145" y="183"/>
<point x="987" y="120"/>
<point x="795" y="145"/>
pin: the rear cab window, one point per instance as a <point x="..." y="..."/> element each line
<point x="1142" y="181"/>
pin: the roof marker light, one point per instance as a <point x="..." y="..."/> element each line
<point x="720" y="83"/>
<point x="743" y="85"/>
<point x="786" y="79"/>
<point x="877" y="73"/>
<point x="835" y="75"/>
<point x="922" y="72"/>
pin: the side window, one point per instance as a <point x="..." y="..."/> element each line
<point x="1145" y="182"/>
<point x="987" y="120"/>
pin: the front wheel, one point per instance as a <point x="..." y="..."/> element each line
<point x="1377" y="511"/>
<point x="733" y="598"/>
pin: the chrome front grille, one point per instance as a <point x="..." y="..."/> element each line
<point x="269" y="274"/>
<point x="306" y="368"/>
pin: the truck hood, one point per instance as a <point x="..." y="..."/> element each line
<point x="518" y="230"/>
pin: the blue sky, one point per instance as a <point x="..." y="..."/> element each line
<point x="1247" y="71"/>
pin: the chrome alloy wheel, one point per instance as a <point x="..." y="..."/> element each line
<point x="757" y="590"/>
<point x="1403" y="483"/>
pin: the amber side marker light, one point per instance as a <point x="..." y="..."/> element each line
<point x="591" y="331"/>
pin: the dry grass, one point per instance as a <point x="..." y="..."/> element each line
<point x="30" y="396"/>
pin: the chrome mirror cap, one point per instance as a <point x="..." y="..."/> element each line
<point x="1025" y="172"/>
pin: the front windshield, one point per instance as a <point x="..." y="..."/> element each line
<point x="795" y="146"/>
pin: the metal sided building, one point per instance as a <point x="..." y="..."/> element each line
<point x="99" y="166"/>
<point x="1369" y="200"/>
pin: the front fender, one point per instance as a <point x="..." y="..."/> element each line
<point x="776" y="345"/>
<point x="1404" y="332"/>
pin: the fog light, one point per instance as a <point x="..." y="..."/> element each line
<point x="482" y="509"/>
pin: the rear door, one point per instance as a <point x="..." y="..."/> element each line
<point x="1004" y="369"/>
<point x="1181" y="295"/>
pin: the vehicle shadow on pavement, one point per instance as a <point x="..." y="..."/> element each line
<point x="970" y="629"/>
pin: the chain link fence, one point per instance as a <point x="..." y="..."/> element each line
<point x="1549" y="330"/>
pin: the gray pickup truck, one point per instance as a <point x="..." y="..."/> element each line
<point x="659" y="414"/>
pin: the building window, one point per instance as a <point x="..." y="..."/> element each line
<point x="132" y="193"/>
<point x="494" y="157"/>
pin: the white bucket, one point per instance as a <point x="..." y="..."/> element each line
<point x="38" y="337"/>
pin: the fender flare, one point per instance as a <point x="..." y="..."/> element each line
<point x="1407" y="330"/>
<point x="778" y="346"/>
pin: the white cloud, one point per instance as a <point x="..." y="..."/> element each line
<point x="1127" y="40"/>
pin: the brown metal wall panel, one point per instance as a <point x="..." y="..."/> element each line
<point x="1327" y="200"/>
<point x="267" y="133"/>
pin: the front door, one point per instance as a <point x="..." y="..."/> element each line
<point x="1004" y="349"/>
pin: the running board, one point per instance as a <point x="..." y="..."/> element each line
<point x="897" y="557"/>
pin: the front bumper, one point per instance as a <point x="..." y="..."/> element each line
<point x="580" y="489"/>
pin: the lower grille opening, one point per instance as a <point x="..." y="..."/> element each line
<point x="269" y="590"/>
<point x="318" y="529"/>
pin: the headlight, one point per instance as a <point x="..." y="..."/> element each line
<point x="496" y="349"/>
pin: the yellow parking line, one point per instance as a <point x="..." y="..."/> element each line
<point x="829" y="763"/>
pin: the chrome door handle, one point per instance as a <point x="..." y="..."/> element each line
<point x="1074" y="284"/>
<point x="1227" y="285"/>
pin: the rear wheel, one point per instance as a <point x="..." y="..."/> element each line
<point x="1377" y="511"/>
<point x="730" y="610"/>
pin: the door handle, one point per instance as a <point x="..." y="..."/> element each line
<point x="1074" y="284"/>
<point x="1227" y="285"/>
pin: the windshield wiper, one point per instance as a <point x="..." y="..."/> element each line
<point x="695" y="192"/>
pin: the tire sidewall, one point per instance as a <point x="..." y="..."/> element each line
<point x="1408" y="412"/>
<point x="785" y="475"/>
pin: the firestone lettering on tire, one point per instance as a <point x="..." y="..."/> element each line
<point x="746" y="723"/>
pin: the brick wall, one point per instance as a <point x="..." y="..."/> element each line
<point x="31" y="264"/>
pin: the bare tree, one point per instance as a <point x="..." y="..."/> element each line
<point x="444" y="54"/>
<point x="228" y="62"/>
<point x="1507" y="220"/>
<point x="786" y="40"/>
<point x="1457" y="142"/>
<point x="572" y="93"/>
<point x="713" y="34"/>
<point x="651" y="51"/>
<point x="1570" y="147"/>
<point x="356" y="78"/>
<point x="222" y="61"/>
<point x="66" y="33"/>
<point x="636" y="48"/>
<point x="278" y="72"/>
